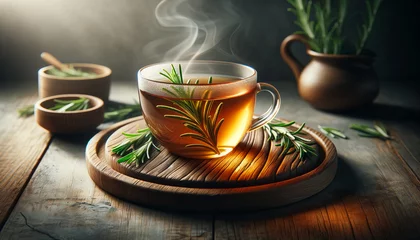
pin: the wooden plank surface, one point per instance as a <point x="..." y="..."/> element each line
<point x="22" y="144"/>
<point x="62" y="202"/>
<point x="375" y="194"/>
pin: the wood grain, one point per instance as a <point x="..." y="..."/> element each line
<point x="254" y="161"/>
<point x="167" y="180"/>
<point x="22" y="145"/>
<point x="375" y="194"/>
<point x="62" y="201"/>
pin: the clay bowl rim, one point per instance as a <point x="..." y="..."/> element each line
<point x="106" y="71"/>
<point x="98" y="103"/>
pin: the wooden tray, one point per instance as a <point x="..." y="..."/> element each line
<point x="255" y="175"/>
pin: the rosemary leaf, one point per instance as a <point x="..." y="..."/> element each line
<point x="26" y="111"/>
<point x="123" y="111"/>
<point x="136" y="147"/>
<point x="71" y="72"/>
<point x="277" y="132"/>
<point x="194" y="114"/>
<point x="366" y="131"/>
<point x="332" y="132"/>
<point x="372" y="7"/>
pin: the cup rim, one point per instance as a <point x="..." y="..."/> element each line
<point x="140" y="76"/>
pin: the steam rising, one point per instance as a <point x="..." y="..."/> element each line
<point x="194" y="28"/>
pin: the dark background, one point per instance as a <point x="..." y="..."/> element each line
<point x="118" y="34"/>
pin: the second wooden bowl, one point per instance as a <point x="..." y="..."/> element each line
<point x="72" y="121"/>
<point x="99" y="86"/>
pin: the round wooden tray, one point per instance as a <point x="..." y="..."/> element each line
<point x="255" y="175"/>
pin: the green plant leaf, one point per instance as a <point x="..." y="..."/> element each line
<point x="278" y="132"/>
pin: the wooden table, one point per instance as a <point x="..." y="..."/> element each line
<point x="46" y="193"/>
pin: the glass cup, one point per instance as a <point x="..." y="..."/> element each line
<point x="205" y="112"/>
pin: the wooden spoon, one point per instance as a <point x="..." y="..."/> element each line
<point x="47" y="57"/>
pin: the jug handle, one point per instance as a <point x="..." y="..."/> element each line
<point x="286" y="53"/>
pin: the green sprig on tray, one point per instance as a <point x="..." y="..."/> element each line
<point x="278" y="132"/>
<point x="378" y="131"/>
<point x="332" y="132"/>
<point x="136" y="148"/>
<point x="70" y="72"/>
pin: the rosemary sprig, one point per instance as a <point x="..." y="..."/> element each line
<point x="136" y="147"/>
<point x="277" y="131"/>
<point x="372" y="10"/>
<point x="113" y="113"/>
<point x="121" y="112"/>
<point x="70" y="105"/>
<point x="26" y="111"/>
<point x="379" y="131"/>
<point x="196" y="114"/>
<point x="332" y="132"/>
<point x="71" y="72"/>
<point x="324" y="29"/>
<point x="302" y="10"/>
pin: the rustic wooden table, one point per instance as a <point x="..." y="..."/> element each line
<point x="46" y="192"/>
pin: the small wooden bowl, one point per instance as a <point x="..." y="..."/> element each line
<point x="99" y="86"/>
<point x="72" y="121"/>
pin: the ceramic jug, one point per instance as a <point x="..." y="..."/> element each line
<point x="332" y="82"/>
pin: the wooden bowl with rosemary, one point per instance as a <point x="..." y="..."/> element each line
<point x="69" y="113"/>
<point x="77" y="78"/>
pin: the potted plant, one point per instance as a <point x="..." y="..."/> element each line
<point x="338" y="77"/>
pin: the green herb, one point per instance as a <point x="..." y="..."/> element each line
<point x="136" y="147"/>
<point x="324" y="29"/>
<point x="278" y="132"/>
<point x="70" y="72"/>
<point x="70" y="105"/>
<point x="379" y="131"/>
<point x="121" y="112"/>
<point x="332" y="132"/>
<point x="114" y="113"/>
<point x="195" y="114"/>
<point x="26" y="111"/>
<point x="372" y="10"/>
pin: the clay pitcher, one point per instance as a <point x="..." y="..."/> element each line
<point x="332" y="82"/>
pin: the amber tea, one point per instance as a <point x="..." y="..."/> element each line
<point x="203" y="114"/>
<point x="199" y="128"/>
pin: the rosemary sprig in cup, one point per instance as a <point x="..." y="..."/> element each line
<point x="195" y="114"/>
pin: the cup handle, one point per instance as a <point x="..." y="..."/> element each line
<point x="272" y="111"/>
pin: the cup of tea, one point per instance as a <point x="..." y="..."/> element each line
<point x="202" y="109"/>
